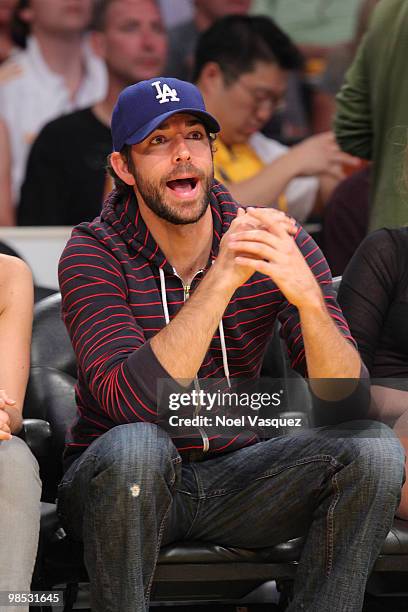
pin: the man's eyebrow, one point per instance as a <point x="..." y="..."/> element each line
<point x="190" y="122"/>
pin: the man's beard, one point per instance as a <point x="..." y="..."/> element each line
<point x="154" y="195"/>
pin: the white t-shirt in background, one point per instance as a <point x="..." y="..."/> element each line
<point x="31" y="95"/>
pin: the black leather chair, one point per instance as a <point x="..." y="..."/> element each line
<point x="186" y="571"/>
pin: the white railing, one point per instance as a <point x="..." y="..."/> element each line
<point x="40" y="247"/>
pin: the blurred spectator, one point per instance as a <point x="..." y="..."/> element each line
<point x="315" y="25"/>
<point x="242" y="67"/>
<point x="176" y="11"/>
<point x="20" y="484"/>
<point x="372" y="110"/>
<point x="323" y="30"/>
<point x="345" y="221"/>
<point x="66" y="180"/>
<point x="339" y="59"/>
<point x="55" y="74"/>
<point x="183" y="38"/>
<point x="6" y="207"/>
<point x="7" y="45"/>
<point x="293" y="123"/>
<point x="374" y="298"/>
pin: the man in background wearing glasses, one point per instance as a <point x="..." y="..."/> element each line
<point x="242" y="66"/>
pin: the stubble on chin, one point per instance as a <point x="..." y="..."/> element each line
<point x="159" y="203"/>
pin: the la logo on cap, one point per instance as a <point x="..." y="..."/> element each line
<point x="165" y="93"/>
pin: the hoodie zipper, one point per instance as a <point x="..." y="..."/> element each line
<point x="206" y="442"/>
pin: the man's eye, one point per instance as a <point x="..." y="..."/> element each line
<point x="157" y="28"/>
<point x="196" y="135"/>
<point x="158" y="140"/>
<point x="261" y="98"/>
<point x="130" y="28"/>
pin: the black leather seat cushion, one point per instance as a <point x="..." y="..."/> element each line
<point x="396" y="543"/>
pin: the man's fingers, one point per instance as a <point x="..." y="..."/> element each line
<point x="336" y="171"/>
<point x="349" y="160"/>
<point x="5" y="400"/>
<point x="257" y="235"/>
<point x="257" y="265"/>
<point x="279" y="225"/>
<point x="259" y="250"/>
<point x="4" y="419"/>
<point x="242" y="221"/>
<point x="5" y="431"/>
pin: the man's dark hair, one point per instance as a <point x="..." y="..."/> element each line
<point x="100" y="8"/>
<point x="20" y="29"/>
<point x="237" y="42"/>
<point x="120" y="185"/>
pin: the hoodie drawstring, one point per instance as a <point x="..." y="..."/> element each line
<point x="220" y="326"/>
<point x="164" y="296"/>
<point x="224" y="353"/>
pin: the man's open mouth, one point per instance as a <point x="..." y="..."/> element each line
<point x="183" y="186"/>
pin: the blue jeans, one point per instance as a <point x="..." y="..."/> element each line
<point x="130" y="493"/>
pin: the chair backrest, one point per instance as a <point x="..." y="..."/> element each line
<point x="50" y="392"/>
<point x="336" y="283"/>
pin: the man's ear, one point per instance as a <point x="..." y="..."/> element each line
<point x="121" y="168"/>
<point x="98" y="44"/>
<point x="211" y="78"/>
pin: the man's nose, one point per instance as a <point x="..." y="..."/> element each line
<point x="263" y="113"/>
<point x="149" y="39"/>
<point x="181" y="150"/>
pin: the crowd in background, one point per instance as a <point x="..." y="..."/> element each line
<point x="64" y="62"/>
<point x="312" y="103"/>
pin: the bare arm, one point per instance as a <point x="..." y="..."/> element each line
<point x="6" y="206"/>
<point x="265" y="188"/>
<point x="16" y="311"/>
<point x="387" y="403"/>
<point x="181" y="346"/>
<point x="318" y="155"/>
<point x="328" y="354"/>
<point x="274" y="253"/>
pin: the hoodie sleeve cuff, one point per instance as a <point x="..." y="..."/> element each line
<point x="145" y="369"/>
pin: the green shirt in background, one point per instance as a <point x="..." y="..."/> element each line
<point x="313" y="22"/>
<point x="372" y="111"/>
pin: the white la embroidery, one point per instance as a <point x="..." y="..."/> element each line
<point x="165" y="94"/>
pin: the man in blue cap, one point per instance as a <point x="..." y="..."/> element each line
<point x="175" y="284"/>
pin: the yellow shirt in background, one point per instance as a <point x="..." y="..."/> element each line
<point x="238" y="163"/>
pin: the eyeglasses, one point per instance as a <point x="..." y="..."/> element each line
<point x="264" y="99"/>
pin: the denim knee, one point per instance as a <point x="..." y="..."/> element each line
<point x="378" y="458"/>
<point x="142" y="448"/>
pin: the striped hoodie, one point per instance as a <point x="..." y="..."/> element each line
<point x="112" y="276"/>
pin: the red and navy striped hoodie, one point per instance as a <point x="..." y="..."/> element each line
<point x="112" y="306"/>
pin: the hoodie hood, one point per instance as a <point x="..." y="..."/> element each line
<point x="123" y="214"/>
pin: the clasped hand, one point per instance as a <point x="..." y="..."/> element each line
<point x="5" y="400"/>
<point x="262" y="240"/>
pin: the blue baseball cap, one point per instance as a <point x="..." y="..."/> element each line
<point x="142" y="107"/>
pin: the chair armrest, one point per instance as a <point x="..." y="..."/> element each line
<point x="37" y="435"/>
